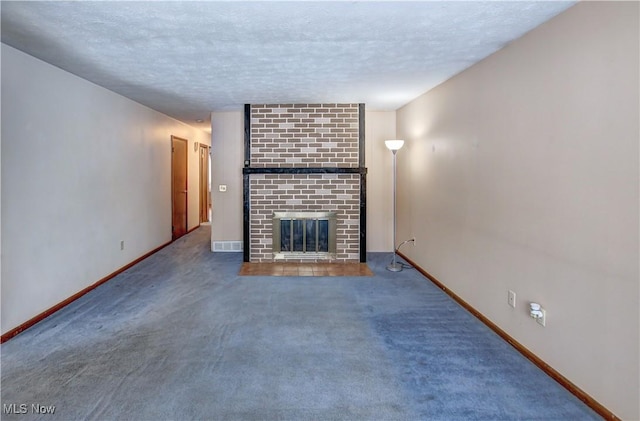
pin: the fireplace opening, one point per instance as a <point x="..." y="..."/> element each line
<point x="304" y="235"/>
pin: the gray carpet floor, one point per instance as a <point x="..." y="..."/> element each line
<point x="181" y="336"/>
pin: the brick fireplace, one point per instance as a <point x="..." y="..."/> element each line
<point x="304" y="160"/>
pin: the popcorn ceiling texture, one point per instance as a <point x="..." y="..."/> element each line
<point x="187" y="59"/>
<point x="299" y="136"/>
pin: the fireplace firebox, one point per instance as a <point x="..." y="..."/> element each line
<point x="304" y="235"/>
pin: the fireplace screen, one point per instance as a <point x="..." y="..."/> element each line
<point x="304" y="234"/>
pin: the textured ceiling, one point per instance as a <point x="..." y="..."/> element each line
<point x="186" y="59"/>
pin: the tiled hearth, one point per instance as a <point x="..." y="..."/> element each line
<point x="305" y="269"/>
<point x="304" y="158"/>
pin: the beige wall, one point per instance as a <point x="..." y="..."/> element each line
<point x="82" y="169"/>
<point x="227" y="159"/>
<point x="521" y="173"/>
<point x="227" y="133"/>
<point x="379" y="126"/>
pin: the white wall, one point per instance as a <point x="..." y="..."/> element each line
<point x="82" y="169"/>
<point x="522" y="173"/>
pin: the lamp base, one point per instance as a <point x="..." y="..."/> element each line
<point x="394" y="267"/>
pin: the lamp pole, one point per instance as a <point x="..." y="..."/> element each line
<point x="394" y="145"/>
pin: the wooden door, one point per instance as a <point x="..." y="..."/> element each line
<point x="204" y="183"/>
<point x="178" y="187"/>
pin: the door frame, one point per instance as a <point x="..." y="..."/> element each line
<point x="204" y="179"/>
<point x="186" y="187"/>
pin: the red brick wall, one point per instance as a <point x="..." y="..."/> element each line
<point x="299" y="136"/>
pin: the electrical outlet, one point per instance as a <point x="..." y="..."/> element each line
<point x="542" y="321"/>
<point x="511" y="299"/>
<point x="222" y="187"/>
<point x="122" y="245"/>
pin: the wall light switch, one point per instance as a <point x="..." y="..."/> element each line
<point x="222" y="187"/>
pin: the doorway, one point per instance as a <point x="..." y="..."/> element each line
<point x="178" y="187"/>
<point x="205" y="203"/>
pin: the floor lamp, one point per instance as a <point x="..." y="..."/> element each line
<point x="393" y="146"/>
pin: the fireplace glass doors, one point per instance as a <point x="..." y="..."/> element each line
<point x="300" y="235"/>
